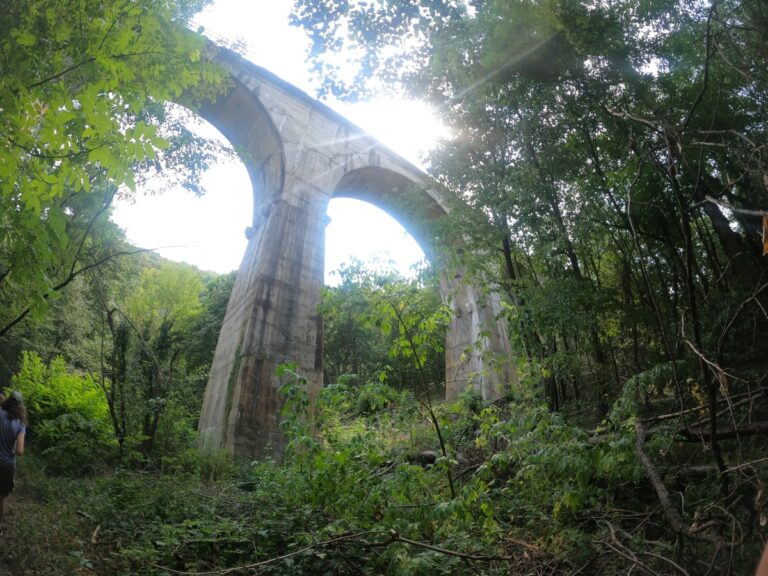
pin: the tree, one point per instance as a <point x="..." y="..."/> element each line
<point x="599" y="153"/>
<point x="83" y="87"/>
<point x="365" y="320"/>
<point x="203" y="334"/>
<point x="148" y="333"/>
<point x="352" y="344"/>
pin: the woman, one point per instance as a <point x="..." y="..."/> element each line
<point x="13" y="428"/>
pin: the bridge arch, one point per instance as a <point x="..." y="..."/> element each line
<point x="299" y="154"/>
<point x="393" y="192"/>
<point x="256" y="140"/>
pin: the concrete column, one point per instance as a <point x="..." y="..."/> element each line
<point x="477" y="348"/>
<point x="271" y="319"/>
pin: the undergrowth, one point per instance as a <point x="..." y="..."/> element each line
<point x="535" y="494"/>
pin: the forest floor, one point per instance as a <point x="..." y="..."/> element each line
<point x="40" y="530"/>
<point x="15" y="506"/>
<point x="8" y="535"/>
<point x="20" y="507"/>
<point x="533" y="495"/>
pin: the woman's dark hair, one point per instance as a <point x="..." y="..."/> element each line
<point x="15" y="409"/>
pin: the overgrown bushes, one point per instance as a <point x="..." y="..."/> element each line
<point x="69" y="418"/>
<point x="535" y="492"/>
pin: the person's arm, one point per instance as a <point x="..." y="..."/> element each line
<point x="20" y="444"/>
<point x="762" y="568"/>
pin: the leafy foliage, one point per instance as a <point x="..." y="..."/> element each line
<point x="51" y="391"/>
<point x="605" y="162"/>
<point x="154" y="365"/>
<point x="146" y="388"/>
<point x="368" y="320"/>
<point x="69" y="418"/>
<point x="533" y="491"/>
<point x="608" y="174"/>
<point x="83" y="87"/>
<point x="596" y="149"/>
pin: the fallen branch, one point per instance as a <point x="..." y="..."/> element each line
<point x="743" y="398"/>
<point x="732" y="405"/>
<point x="746" y="465"/>
<point x="393" y="536"/>
<point x="667" y="560"/>
<point x="244" y="567"/>
<point x="389" y="467"/>
<point x="697" y="470"/>
<point x="95" y="535"/>
<point x="639" y="563"/>
<point x="617" y="541"/>
<point x="751" y="429"/>
<point x="466" y="471"/>
<point x="670" y="512"/>
<point x="86" y="515"/>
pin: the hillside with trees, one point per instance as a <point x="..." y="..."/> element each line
<point x="607" y="177"/>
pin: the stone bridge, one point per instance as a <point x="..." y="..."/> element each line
<point x="300" y="154"/>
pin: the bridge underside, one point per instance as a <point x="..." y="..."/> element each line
<point x="300" y="154"/>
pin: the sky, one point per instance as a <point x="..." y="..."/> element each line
<point x="208" y="231"/>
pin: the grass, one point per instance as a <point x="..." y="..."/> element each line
<point x="43" y="532"/>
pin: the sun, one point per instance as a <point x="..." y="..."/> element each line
<point x="408" y="127"/>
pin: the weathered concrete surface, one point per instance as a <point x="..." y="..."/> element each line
<point x="477" y="349"/>
<point x="299" y="154"/>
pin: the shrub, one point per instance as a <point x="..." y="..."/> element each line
<point x="69" y="416"/>
<point x="375" y="397"/>
<point x="71" y="444"/>
<point x="53" y="390"/>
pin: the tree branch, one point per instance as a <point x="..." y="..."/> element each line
<point x="90" y="60"/>
<point x="269" y="561"/>
<point x="5" y="329"/>
<point x="394" y="536"/>
<point x="750" y="429"/>
<point x="670" y="512"/>
<point x="707" y="56"/>
<point x="733" y="208"/>
<point x="109" y="196"/>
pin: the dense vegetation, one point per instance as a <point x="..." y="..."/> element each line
<point x="612" y="157"/>
<point x="83" y="87"/>
<point x="607" y="176"/>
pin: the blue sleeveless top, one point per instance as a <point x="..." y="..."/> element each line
<point x="9" y="430"/>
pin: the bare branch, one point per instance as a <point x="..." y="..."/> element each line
<point x="746" y="465"/>
<point x="242" y="568"/>
<point x="670" y="512"/>
<point x="393" y="536"/>
<point x="751" y="429"/>
<point x="733" y="208"/>
<point x="397" y="538"/>
<point x="707" y="57"/>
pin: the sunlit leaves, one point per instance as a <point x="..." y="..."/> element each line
<point x="587" y="138"/>
<point x="381" y="326"/>
<point x="166" y="295"/>
<point x="83" y="86"/>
